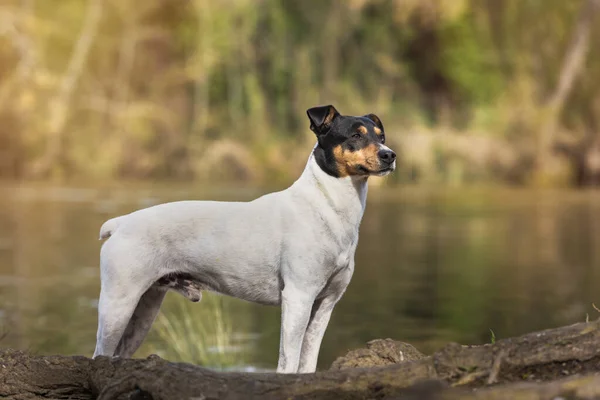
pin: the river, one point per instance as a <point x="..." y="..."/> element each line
<point x="469" y="265"/>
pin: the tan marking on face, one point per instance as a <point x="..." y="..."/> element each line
<point x="363" y="129"/>
<point x="349" y="162"/>
<point x="377" y="131"/>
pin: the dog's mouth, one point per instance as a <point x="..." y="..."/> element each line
<point x="381" y="172"/>
<point x="385" y="171"/>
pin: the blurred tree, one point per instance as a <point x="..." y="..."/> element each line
<point x="174" y="89"/>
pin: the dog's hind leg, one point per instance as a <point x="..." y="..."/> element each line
<point x="124" y="282"/>
<point x="114" y="313"/>
<point x="140" y="322"/>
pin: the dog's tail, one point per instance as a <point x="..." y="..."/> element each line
<point x="109" y="227"/>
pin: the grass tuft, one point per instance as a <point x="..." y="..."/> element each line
<point x="199" y="334"/>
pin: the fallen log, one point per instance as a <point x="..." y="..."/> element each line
<point x="536" y="365"/>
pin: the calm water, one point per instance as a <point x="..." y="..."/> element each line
<point x="432" y="266"/>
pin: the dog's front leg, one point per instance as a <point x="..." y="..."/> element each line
<point x="321" y="313"/>
<point x="296" y="306"/>
<point x="319" y="319"/>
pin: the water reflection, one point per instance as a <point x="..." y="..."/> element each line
<point x="432" y="267"/>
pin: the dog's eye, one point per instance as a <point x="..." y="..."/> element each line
<point x="382" y="138"/>
<point x="356" y="136"/>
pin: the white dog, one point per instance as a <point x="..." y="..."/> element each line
<point x="293" y="248"/>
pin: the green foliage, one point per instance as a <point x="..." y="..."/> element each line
<point x="162" y="84"/>
<point x="469" y="62"/>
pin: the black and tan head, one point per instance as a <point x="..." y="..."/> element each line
<point x="350" y="146"/>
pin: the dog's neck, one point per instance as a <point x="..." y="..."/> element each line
<point x="347" y="196"/>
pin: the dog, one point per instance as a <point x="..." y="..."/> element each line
<point x="294" y="248"/>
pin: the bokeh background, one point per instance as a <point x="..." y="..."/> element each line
<point x="489" y="227"/>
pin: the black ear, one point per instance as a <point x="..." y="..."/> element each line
<point x="321" y="118"/>
<point x="375" y="119"/>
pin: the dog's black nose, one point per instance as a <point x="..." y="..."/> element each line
<point x="387" y="155"/>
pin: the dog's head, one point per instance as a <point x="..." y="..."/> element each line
<point x="350" y="146"/>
